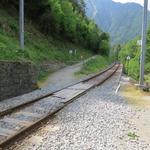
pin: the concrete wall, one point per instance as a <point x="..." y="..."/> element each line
<point x="16" y="78"/>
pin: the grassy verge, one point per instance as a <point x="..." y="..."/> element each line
<point x="43" y="75"/>
<point x="147" y="78"/>
<point x="38" y="47"/>
<point x="94" y="65"/>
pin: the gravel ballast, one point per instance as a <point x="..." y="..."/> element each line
<point x="99" y="120"/>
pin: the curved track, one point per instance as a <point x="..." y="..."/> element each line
<point x="22" y="118"/>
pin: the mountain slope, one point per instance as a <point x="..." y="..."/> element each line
<point x="122" y="21"/>
<point x="52" y="28"/>
<point x="38" y="47"/>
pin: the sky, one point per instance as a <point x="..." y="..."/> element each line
<point x="136" y="1"/>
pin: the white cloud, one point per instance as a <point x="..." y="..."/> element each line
<point x="136" y="1"/>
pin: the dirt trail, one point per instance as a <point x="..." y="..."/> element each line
<point x="64" y="76"/>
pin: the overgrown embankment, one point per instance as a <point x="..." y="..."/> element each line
<point x="132" y="66"/>
<point x="52" y="28"/>
<point x="38" y="47"/>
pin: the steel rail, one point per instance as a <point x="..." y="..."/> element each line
<point x="15" y="108"/>
<point x="18" y="134"/>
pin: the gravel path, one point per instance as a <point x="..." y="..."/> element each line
<point x="62" y="77"/>
<point x="98" y="120"/>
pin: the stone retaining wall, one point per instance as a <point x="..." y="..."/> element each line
<point x="16" y="78"/>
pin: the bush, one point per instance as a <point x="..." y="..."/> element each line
<point x="133" y="69"/>
<point x="147" y="68"/>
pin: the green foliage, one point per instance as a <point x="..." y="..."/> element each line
<point x="133" y="68"/>
<point x="64" y="19"/>
<point x="147" y="67"/>
<point x="133" y="135"/>
<point x="38" y="47"/>
<point x="94" y="65"/>
<point x="104" y="45"/>
<point x="148" y="49"/>
<point x="147" y="78"/>
<point x="115" y="50"/>
<point x="133" y="50"/>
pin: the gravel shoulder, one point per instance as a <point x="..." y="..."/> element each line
<point x="99" y="120"/>
<point x="141" y="100"/>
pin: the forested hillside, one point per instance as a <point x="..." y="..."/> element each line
<point x="132" y="49"/>
<point x="121" y="21"/>
<point x="52" y="27"/>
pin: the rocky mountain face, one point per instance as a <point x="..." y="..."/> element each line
<point x="122" y="21"/>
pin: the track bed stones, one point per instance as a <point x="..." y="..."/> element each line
<point x="99" y="120"/>
<point x="41" y="109"/>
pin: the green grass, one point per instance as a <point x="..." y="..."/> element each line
<point x="132" y="136"/>
<point x="38" y="47"/>
<point x="94" y="65"/>
<point x="147" y="78"/>
<point x="43" y="75"/>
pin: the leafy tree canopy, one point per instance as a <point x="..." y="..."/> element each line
<point x="65" y="19"/>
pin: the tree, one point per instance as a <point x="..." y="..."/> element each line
<point x="65" y="19"/>
<point x="104" y="45"/>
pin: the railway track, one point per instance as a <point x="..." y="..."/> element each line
<point x="16" y="121"/>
